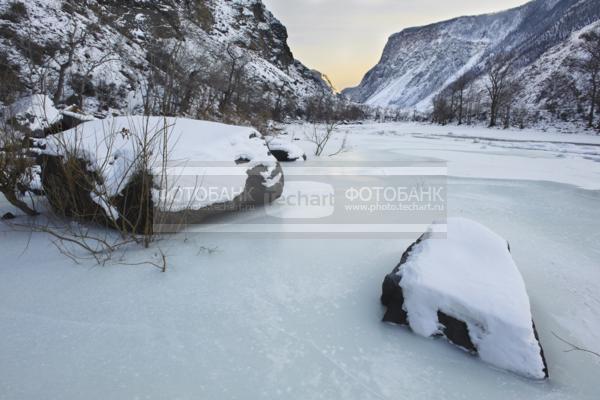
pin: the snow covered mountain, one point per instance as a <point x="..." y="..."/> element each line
<point x="152" y="55"/>
<point x="418" y="63"/>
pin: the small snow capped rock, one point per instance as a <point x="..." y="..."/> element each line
<point x="36" y="113"/>
<point x="286" y="151"/>
<point x="8" y="216"/>
<point x="468" y="289"/>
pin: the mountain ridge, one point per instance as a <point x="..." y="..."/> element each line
<point x="419" y="62"/>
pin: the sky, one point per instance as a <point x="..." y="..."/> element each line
<point x="345" y="38"/>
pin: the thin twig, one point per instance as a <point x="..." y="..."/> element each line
<point x="574" y="347"/>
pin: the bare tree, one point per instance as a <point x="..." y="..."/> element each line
<point x="499" y="70"/>
<point x="460" y="86"/>
<point x="237" y="64"/>
<point x="589" y="65"/>
<point x="86" y="73"/>
<point x="65" y="56"/>
<point x="442" y="110"/>
<point x="560" y="95"/>
<point x="510" y="92"/>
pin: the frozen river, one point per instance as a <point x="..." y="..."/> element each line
<point x="235" y="318"/>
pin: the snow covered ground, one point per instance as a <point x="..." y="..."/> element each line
<point x="239" y="318"/>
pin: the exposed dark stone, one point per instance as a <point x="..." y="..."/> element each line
<point x="456" y="331"/>
<point x="8" y="216"/>
<point x="65" y="123"/>
<point x="392" y="296"/>
<point x="537" y="337"/>
<point x="284" y="156"/>
<point x="68" y="185"/>
<point x="135" y="205"/>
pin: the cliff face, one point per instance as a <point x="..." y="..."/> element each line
<point x="110" y="52"/>
<point x="418" y="63"/>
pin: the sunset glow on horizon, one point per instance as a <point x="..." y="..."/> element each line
<point x="345" y="38"/>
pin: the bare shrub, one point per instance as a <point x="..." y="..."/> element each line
<point x="76" y="190"/>
<point x="16" y="170"/>
<point x="320" y="137"/>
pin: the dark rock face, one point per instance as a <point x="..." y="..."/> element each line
<point x="453" y="329"/>
<point x="537" y="337"/>
<point x="456" y="331"/>
<point x="284" y="156"/>
<point x="67" y="190"/>
<point x="392" y="296"/>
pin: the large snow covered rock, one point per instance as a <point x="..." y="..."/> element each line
<point x="94" y="171"/>
<point x="467" y="288"/>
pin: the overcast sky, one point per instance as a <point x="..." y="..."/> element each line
<point x="345" y="38"/>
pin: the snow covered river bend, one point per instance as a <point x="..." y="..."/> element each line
<point x="300" y="319"/>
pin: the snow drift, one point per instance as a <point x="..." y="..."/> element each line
<point x="468" y="289"/>
<point x="222" y="165"/>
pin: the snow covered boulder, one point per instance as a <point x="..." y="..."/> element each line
<point x="35" y="114"/>
<point x="468" y="289"/>
<point x="72" y="117"/>
<point x="286" y="151"/>
<point x="136" y="172"/>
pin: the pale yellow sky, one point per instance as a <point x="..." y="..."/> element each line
<point x="345" y="38"/>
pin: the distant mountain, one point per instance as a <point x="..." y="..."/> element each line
<point x="420" y="62"/>
<point x="188" y="53"/>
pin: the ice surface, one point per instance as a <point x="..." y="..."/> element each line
<point x="262" y="318"/>
<point x="475" y="152"/>
<point x="471" y="276"/>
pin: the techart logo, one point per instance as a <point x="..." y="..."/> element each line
<point x="304" y="200"/>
